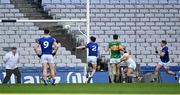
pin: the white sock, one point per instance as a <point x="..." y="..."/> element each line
<point x="93" y="72"/>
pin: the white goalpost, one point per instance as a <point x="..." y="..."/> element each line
<point x="85" y="20"/>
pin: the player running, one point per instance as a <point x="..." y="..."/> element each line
<point x="131" y="66"/>
<point x="115" y="48"/>
<point x="47" y="43"/>
<point x="92" y="56"/>
<point x="164" y="60"/>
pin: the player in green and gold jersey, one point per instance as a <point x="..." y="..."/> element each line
<point x="115" y="48"/>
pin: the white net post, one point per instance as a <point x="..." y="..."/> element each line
<point x="87" y="33"/>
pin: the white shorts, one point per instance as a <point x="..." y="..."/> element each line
<point x="115" y="60"/>
<point x="164" y="64"/>
<point x="47" y="58"/>
<point x="92" y="59"/>
<point x="132" y="66"/>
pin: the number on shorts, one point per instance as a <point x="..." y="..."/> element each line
<point x="46" y="44"/>
<point x="94" y="48"/>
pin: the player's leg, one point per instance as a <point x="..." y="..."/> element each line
<point x="113" y="68"/>
<point x="45" y="67"/>
<point x="123" y="74"/>
<point x="52" y="68"/>
<point x="18" y="75"/>
<point x="157" y="69"/>
<point x="7" y="77"/>
<point x="113" y="72"/>
<point x="93" y="70"/>
<point x="157" y="72"/>
<point x="129" y="75"/>
<point x="94" y="65"/>
<point x="117" y="72"/>
<point x="168" y="71"/>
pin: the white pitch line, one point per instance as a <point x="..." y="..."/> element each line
<point x="84" y="94"/>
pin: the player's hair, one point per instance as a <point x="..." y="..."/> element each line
<point x="115" y="36"/>
<point x="46" y="31"/>
<point x="93" y="39"/>
<point x="57" y="41"/>
<point x="13" y="48"/>
<point x="164" y="42"/>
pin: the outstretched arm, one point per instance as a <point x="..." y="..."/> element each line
<point x="81" y="47"/>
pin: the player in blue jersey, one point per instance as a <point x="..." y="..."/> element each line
<point x="164" y="60"/>
<point x="92" y="56"/>
<point x="47" y="44"/>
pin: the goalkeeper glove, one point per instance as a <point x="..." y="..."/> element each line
<point x="73" y="49"/>
<point x="54" y="53"/>
<point x="39" y="55"/>
<point x="156" y="52"/>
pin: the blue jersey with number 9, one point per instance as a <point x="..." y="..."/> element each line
<point x="93" y="49"/>
<point x="46" y="44"/>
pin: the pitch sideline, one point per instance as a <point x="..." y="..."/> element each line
<point x="82" y="94"/>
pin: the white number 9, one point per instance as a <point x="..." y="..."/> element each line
<point x="46" y="44"/>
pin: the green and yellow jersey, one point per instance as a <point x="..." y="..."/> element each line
<point x="115" y="49"/>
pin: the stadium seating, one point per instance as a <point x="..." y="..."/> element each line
<point x="141" y="24"/>
<point x="23" y="35"/>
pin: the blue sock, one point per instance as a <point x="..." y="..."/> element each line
<point x="46" y="82"/>
<point x="53" y="81"/>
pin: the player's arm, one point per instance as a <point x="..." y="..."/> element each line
<point x="6" y="58"/>
<point x="56" y="47"/>
<point x="36" y="46"/>
<point x="121" y="48"/>
<point x="80" y="47"/>
<point x="124" y="58"/>
<point x="162" y="53"/>
<point x="107" y="49"/>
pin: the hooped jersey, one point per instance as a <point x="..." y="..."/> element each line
<point x="115" y="49"/>
<point x="46" y="44"/>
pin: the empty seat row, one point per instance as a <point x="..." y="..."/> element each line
<point x="23" y="35"/>
<point x="111" y="2"/>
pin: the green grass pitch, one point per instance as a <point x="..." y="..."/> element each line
<point x="134" y="88"/>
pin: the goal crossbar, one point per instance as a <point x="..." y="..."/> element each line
<point x="50" y="20"/>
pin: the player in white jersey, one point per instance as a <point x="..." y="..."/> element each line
<point x="131" y="66"/>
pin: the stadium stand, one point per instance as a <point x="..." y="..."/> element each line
<point x="23" y="35"/>
<point x="141" y="24"/>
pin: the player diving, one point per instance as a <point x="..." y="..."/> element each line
<point x="131" y="66"/>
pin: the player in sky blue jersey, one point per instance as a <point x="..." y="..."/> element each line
<point x="47" y="44"/>
<point x="164" y="60"/>
<point x="92" y="56"/>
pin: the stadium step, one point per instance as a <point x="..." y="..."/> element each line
<point x="33" y="11"/>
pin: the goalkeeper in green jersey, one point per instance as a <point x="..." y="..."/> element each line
<point x="115" y="48"/>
